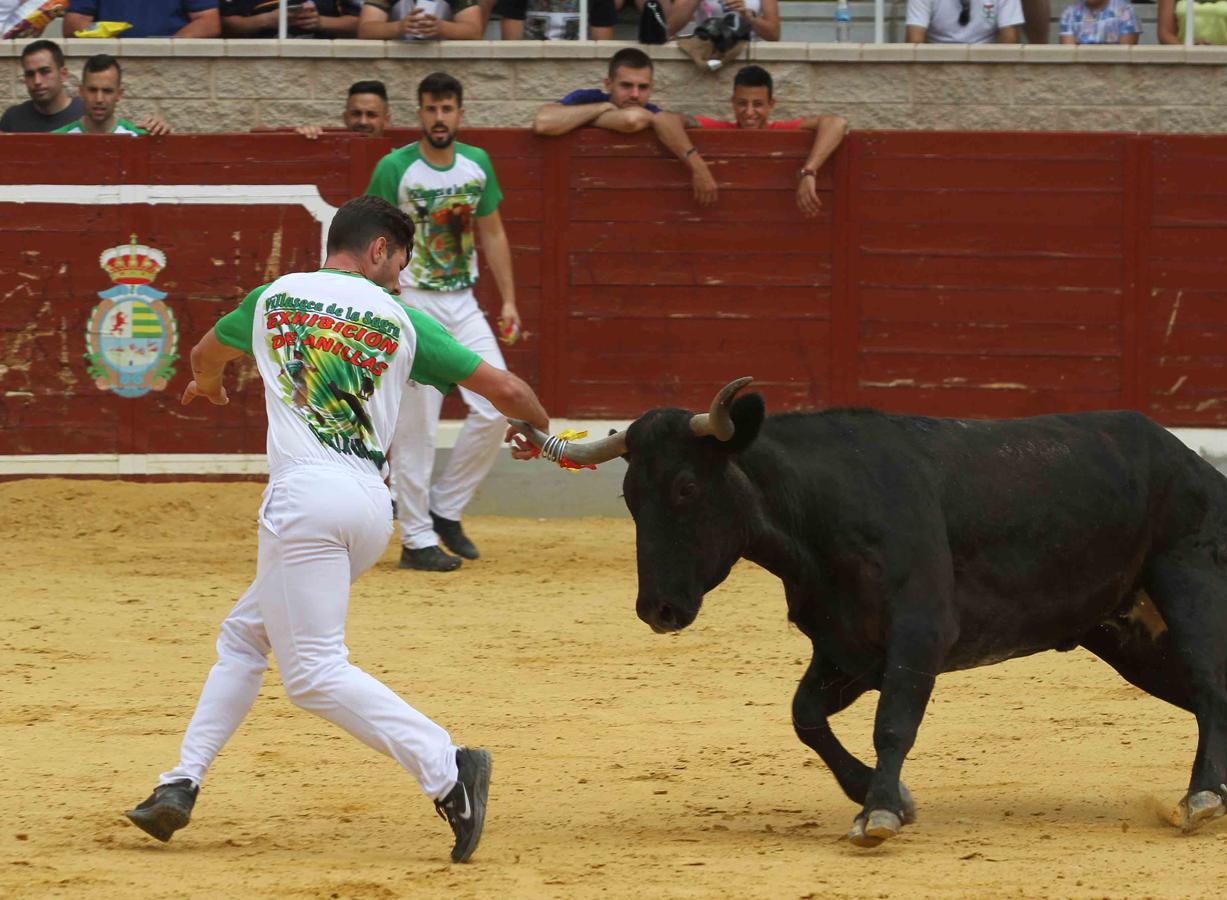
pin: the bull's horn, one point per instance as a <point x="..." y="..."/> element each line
<point x="718" y="423"/>
<point x="590" y="453"/>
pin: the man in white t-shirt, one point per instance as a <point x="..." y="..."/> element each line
<point x="335" y="351"/>
<point x="963" y="21"/>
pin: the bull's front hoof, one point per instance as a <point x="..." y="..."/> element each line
<point x="1197" y="809"/>
<point x="870" y="831"/>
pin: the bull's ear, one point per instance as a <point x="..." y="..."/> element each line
<point x="747" y="413"/>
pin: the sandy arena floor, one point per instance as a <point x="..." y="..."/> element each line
<point x="626" y="764"/>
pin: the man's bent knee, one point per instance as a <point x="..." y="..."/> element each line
<point x="312" y="689"/>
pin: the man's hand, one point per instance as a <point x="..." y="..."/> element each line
<point x="737" y="6"/>
<point x="154" y="125"/>
<point x="627" y="120"/>
<point x="310" y="132"/>
<point x="217" y="396"/>
<point x="510" y="315"/>
<point x="304" y="18"/>
<point x="423" y="25"/>
<point x="520" y="446"/>
<point x="705" y="189"/>
<point x="807" y="196"/>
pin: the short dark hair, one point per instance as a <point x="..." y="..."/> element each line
<point x="632" y="58"/>
<point x="754" y="76"/>
<point x="50" y="46"/>
<point x="365" y="218"/>
<point x="101" y="63"/>
<point x="441" y="85"/>
<point x="369" y="87"/>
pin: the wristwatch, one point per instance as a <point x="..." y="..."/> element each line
<point x="801" y="173"/>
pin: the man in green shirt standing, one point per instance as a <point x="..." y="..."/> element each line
<point x="102" y="88"/>
<point x="449" y="190"/>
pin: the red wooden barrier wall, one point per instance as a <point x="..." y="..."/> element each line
<point x="951" y="274"/>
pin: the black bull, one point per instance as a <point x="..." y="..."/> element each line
<point x="910" y="546"/>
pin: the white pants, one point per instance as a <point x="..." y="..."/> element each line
<point x="413" y="445"/>
<point x="320" y="528"/>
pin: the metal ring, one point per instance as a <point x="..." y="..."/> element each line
<point x="554" y="449"/>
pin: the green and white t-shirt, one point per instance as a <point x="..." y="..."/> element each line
<point x="334" y="351"/>
<point x="122" y="126"/>
<point x="443" y="204"/>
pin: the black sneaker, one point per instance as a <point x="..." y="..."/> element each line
<point x="465" y="807"/>
<point x="167" y="810"/>
<point x="428" y="559"/>
<point x="453" y="537"/>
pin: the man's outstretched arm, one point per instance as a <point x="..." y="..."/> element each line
<point x="509" y="393"/>
<point x="209" y="359"/>
<point x="671" y="131"/>
<point x="830" y="133"/>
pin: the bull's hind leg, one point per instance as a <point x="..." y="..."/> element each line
<point x="1190" y="592"/>
<point x="823" y="692"/>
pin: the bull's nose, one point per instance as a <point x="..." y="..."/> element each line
<point x="667" y="618"/>
<point x="661" y="617"/>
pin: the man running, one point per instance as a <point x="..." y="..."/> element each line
<point x="326" y="513"/>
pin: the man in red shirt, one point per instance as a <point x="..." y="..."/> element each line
<point x="753" y="102"/>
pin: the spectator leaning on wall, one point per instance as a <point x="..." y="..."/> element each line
<point x="622" y="106"/>
<point x="423" y="20"/>
<point x="46" y="78"/>
<point x="963" y="21"/>
<point x="753" y="101"/>
<point x="148" y="18"/>
<point x="304" y="18"/>
<point x="101" y="90"/>
<point x="1099" y="22"/>
<point x="366" y="111"/>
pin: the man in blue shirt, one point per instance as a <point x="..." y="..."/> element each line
<point x="148" y="18"/>
<point x="622" y="106"/>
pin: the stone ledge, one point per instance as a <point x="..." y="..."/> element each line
<point x="509" y="50"/>
<point x="299" y="49"/>
<point x="784" y="51"/>
<point x="882" y="52"/>
<point x="943" y="53"/>
<point x="834" y="52"/>
<point x="193" y="47"/>
<point x="412" y="49"/>
<point x="79" y="47"/>
<point x="1103" y="53"/>
<point x="254" y="47"/>
<point x="347" y="48"/>
<point x="141" y="47"/>
<point x="569" y="49"/>
<point x="1206" y="56"/>
<point x="1047" y="53"/>
<point x="1167" y="54"/>
<point x="995" y="53"/>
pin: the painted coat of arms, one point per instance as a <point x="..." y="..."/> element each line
<point x="131" y="338"/>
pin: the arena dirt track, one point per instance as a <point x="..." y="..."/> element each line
<point x="626" y="764"/>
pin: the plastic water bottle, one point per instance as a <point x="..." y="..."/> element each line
<point x="843" y="22"/>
